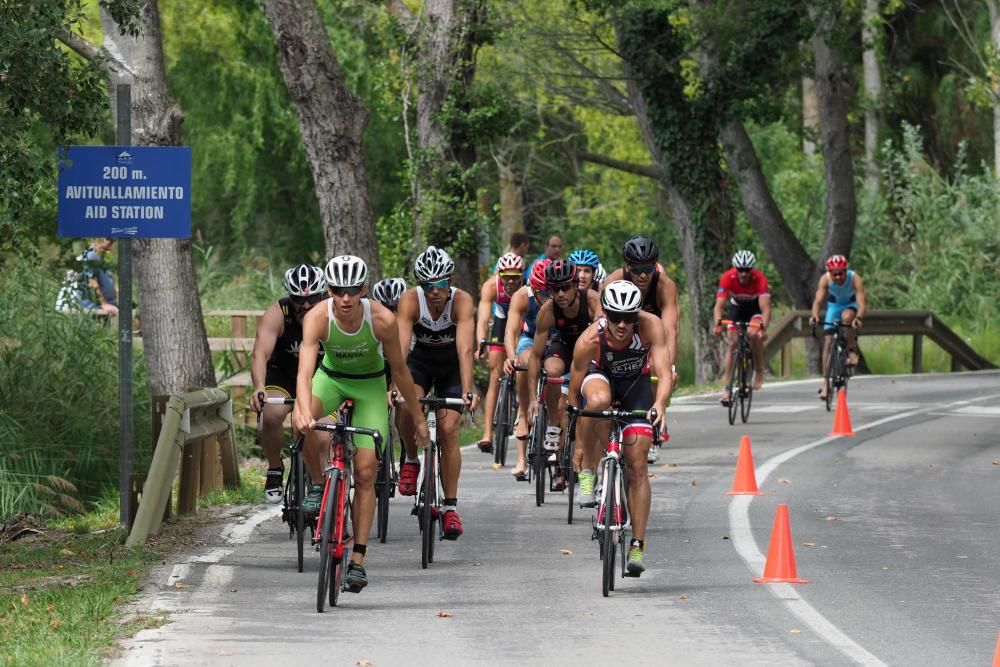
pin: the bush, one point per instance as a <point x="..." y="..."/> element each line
<point x="58" y="398"/>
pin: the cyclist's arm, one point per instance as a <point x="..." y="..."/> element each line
<point x="660" y="357"/>
<point x="487" y="295"/>
<point x="464" y="330"/>
<point x="406" y="314"/>
<point x="387" y="331"/>
<point x="720" y="302"/>
<point x="315" y="325"/>
<point x="270" y="327"/>
<point x="515" y="317"/>
<point x="594" y="301"/>
<point x="583" y="352"/>
<point x="669" y="314"/>
<point x="859" y="296"/>
<point x="824" y="281"/>
<point x="764" y="300"/>
<point x="543" y="322"/>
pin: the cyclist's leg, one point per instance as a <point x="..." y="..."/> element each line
<point x="326" y="398"/>
<point x="369" y="412"/>
<point x="827" y="344"/>
<point x="756" y="336"/>
<point x="496" y="359"/>
<point x="732" y="340"/>
<point x="849" y="313"/>
<point x="272" y="425"/>
<point x="591" y="434"/>
<point x="422" y="378"/>
<point x="833" y="313"/>
<point x="555" y="366"/>
<point x="449" y="385"/>
<point x="523" y="398"/>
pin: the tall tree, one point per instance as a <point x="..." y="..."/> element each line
<point x="871" y="31"/>
<point x="175" y="345"/>
<point x="332" y="120"/>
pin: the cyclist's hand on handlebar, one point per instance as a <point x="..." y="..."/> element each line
<point x="813" y="321"/>
<point x="508" y="365"/>
<point x="422" y="434"/>
<point x="856" y="323"/>
<point x="656" y="415"/>
<point x="471" y="401"/>
<point x="480" y="351"/>
<point x="302" y="419"/>
<point x="257" y="400"/>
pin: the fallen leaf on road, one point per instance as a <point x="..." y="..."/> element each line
<point x="224" y="652"/>
<point x="476" y="564"/>
<point x="694" y="482"/>
<point x="566" y="552"/>
<point x="996" y="462"/>
<point x="687" y="541"/>
<point x="808" y="544"/>
<point x="179" y="585"/>
<point x="832" y="518"/>
<point x="784" y="481"/>
<point x="588" y="614"/>
<point x="725" y="537"/>
<point x="962" y="556"/>
<point x="234" y="590"/>
<point x="795" y="631"/>
<point x="364" y="663"/>
<point x="444" y="614"/>
<point x="684" y="597"/>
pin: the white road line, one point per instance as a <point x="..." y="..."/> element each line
<point x="741" y="535"/>
<point x="788" y="408"/>
<point x="978" y="411"/>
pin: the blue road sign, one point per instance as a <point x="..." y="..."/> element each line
<point x="125" y="192"/>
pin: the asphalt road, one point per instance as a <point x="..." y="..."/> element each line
<point x="895" y="530"/>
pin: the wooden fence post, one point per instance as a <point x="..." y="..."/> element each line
<point x="210" y="475"/>
<point x="187" y="501"/>
<point x="918" y="353"/>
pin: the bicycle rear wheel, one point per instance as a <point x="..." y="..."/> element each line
<point x="541" y="454"/>
<point x="427" y="519"/>
<point x="339" y="565"/>
<point x="383" y="489"/>
<point x="831" y="375"/>
<point x="608" y="545"/>
<point x="500" y="421"/>
<point x="326" y="543"/>
<point x="746" y="385"/>
<point x="298" y="491"/>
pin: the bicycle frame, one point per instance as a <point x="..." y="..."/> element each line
<point x="538" y="463"/>
<point x="742" y="368"/>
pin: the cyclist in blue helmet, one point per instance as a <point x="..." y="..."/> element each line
<point x="586" y="266"/>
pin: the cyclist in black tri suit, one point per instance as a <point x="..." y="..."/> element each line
<point x="558" y="325"/>
<point x="436" y="329"/>
<point x="611" y="367"/>
<point x="274" y="363"/>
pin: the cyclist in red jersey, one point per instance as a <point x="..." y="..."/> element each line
<point x="749" y="298"/>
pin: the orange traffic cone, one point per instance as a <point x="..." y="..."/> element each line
<point x="841" y="418"/>
<point x="996" y="654"/>
<point x="745" y="481"/>
<point x="780" y="566"/>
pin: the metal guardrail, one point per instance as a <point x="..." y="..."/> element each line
<point x="197" y="431"/>
<point x="916" y="323"/>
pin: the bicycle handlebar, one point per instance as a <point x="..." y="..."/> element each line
<point x="276" y="400"/>
<point x="433" y="402"/>
<point x="344" y="428"/>
<point x="608" y="414"/>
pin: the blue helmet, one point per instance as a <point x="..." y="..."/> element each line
<point x="584" y="258"/>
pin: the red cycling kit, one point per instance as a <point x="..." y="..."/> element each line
<point x="744" y="300"/>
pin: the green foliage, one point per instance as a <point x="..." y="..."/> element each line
<point x="59" y="392"/>
<point x="935" y="242"/>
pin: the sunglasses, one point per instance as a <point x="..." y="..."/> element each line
<point x="349" y="291"/>
<point x="627" y="318"/>
<point x="510" y="276"/>
<point x="642" y="268"/>
<point x="440" y="284"/>
<point x="568" y="287"/>
<point x="743" y="270"/>
<point x="312" y="299"/>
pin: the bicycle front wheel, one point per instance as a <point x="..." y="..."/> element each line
<point x="298" y="491"/>
<point x="428" y="519"/>
<point x="734" y="387"/>
<point x="569" y="475"/>
<point x="608" y="550"/>
<point x="541" y="455"/>
<point x="746" y="386"/>
<point x="383" y="489"/>
<point x="831" y="374"/>
<point x="326" y="540"/>
<point x="500" y="421"/>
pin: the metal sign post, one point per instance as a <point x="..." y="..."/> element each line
<point x="125" y="369"/>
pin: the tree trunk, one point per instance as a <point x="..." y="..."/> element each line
<point x="995" y="85"/>
<point x="332" y="120"/>
<point x="175" y="346"/>
<point x="511" y="203"/>
<point x="810" y="116"/>
<point x="841" y="205"/>
<point x="871" y="22"/>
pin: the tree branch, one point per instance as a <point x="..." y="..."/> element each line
<point x="99" y="56"/>
<point x="647" y="170"/>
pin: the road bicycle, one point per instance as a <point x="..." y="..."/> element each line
<point x="838" y="370"/>
<point x="292" y="513"/>
<point x="427" y="503"/>
<point x="612" y="519"/>
<point x="540" y="468"/>
<point x="504" y="416"/>
<point x="386" y="480"/>
<point x="741" y="391"/>
<point x="334" y="542"/>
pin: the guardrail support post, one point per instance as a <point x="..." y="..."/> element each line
<point x="187" y="500"/>
<point x="956" y="365"/>
<point x="786" y="359"/>
<point x="211" y="466"/>
<point x="230" y="461"/>
<point x="156" y="490"/>
<point x="918" y="353"/>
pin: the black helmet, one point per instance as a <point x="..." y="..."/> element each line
<point x="640" y="250"/>
<point x="560" y="272"/>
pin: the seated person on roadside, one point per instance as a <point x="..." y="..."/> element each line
<point x="274" y="364"/>
<point x="358" y="336"/>
<point x="436" y="327"/>
<point x="844" y="293"/>
<point x="745" y="289"/>
<point x="659" y="292"/>
<point x="586" y="268"/>
<point x="611" y="368"/>
<point x="560" y="322"/>
<point x="494" y="297"/>
<point x="388" y="292"/>
<point x="518" y="339"/>
<point x="89" y="285"/>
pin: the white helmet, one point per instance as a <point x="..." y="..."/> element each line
<point x="433" y="264"/>
<point x="510" y="262"/>
<point x="346" y="271"/>
<point x="304" y="280"/>
<point x="388" y="291"/>
<point x="744" y="259"/>
<point x="601" y="274"/>
<point x="621" y="296"/>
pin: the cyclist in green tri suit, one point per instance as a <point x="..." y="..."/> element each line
<point x="359" y="336"/>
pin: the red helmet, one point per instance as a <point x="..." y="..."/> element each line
<point x="537" y="279"/>
<point x="836" y="262"/>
